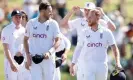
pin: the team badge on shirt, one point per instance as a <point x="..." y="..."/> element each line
<point x="82" y="24"/>
<point x="88" y="36"/>
<point x="101" y="35"/>
<point x="35" y="28"/>
<point x="47" y="28"/>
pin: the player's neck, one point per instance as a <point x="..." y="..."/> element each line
<point x="94" y="27"/>
<point x="42" y="19"/>
<point x="17" y="26"/>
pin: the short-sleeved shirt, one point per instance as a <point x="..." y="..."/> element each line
<point x="95" y="44"/>
<point x="13" y="37"/>
<point x="41" y="35"/>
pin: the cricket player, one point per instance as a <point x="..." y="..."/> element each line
<point x="92" y="48"/>
<point x="12" y="39"/>
<point x="26" y="73"/>
<point x="41" y="40"/>
<point x="61" y="54"/>
<point x="80" y="23"/>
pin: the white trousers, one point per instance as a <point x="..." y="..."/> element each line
<point x="57" y="74"/>
<point x="22" y="74"/>
<point x="43" y="71"/>
<point x="92" y="71"/>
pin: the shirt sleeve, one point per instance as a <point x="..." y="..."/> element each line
<point x="5" y="36"/>
<point x="56" y="29"/>
<point x="103" y="23"/>
<point x="27" y="30"/>
<point x="67" y="43"/>
<point x="72" y="24"/>
<point x="78" y="49"/>
<point x="110" y="38"/>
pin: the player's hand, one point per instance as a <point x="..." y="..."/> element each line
<point x="101" y="11"/>
<point x="64" y="57"/>
<point x="47" y="55"/>
<point x="118" y="66"/>
<point x="72" y="69"/>
<point x="14" y="67"/>
<point x="75" y="9"/>
<point x="28" y="63"/>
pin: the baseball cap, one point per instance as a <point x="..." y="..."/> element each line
<point x="118" y="75"/>
<point x="16" y="12"/>
<point x="88" y="5"/>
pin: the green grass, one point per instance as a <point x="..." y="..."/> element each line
<point x="1" y="63"/>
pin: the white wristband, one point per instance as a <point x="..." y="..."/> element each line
<point x="52" y="50"/>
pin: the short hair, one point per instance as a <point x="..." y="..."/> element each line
<point x="26" y="16"/>
<point x="44" y="5"/>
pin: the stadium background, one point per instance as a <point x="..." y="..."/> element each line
<point x="111" y="7"/>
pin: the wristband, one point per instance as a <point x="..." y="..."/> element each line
<point x="52" y="50"/>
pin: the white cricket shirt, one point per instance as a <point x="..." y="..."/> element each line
<point x="95" y="44"/>
<point x="41" y="35"/>
<point x="13" y="37"/>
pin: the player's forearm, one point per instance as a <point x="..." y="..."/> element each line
<point x="26" y="46"/>
<point x="7" y="53"/>
<point x="116" y="54"/>
<point x="64" y="21"/>
<point x="110" y="24"/>
<point x="55" y="46"/>
<point x="76" y="54"/>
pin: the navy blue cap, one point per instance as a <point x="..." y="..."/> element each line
<point x="16" y="12"/>
<point x="118" y="75"/>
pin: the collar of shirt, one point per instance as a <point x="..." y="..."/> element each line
<point x="98" y="30"/>
<point x="13" y="25"/>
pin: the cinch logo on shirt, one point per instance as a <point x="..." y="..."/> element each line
<point x="94" y="44"/>
<point x="40" y="35"/>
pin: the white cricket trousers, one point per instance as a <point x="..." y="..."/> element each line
<point x="57" y="74"/>
<point x="22" y="74"/>
<point x="43" y="71"/>
<point x="92" y="71"/>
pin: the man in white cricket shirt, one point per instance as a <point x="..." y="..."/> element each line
<point x="61" y="54"/>
<point x="92" y="49"/>
<point x="12" y="39"/>
<point x="80" y="23"/>
<point x="41" y="40"/>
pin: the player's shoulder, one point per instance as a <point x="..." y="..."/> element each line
<point x="53" y="23"/>
<point x="32" y="20"/>
<point x="7" y="28"/>
<point x="78" y="20"/>
<point x="103" y="23"/>
<point x="105" y="30"/>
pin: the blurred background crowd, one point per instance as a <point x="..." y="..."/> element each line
<point x="119" y="11"/>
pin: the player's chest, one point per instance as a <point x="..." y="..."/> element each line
<point x="16" y="35"/>
<point x="95" y="40"/>
<point x="41" y="31"/>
